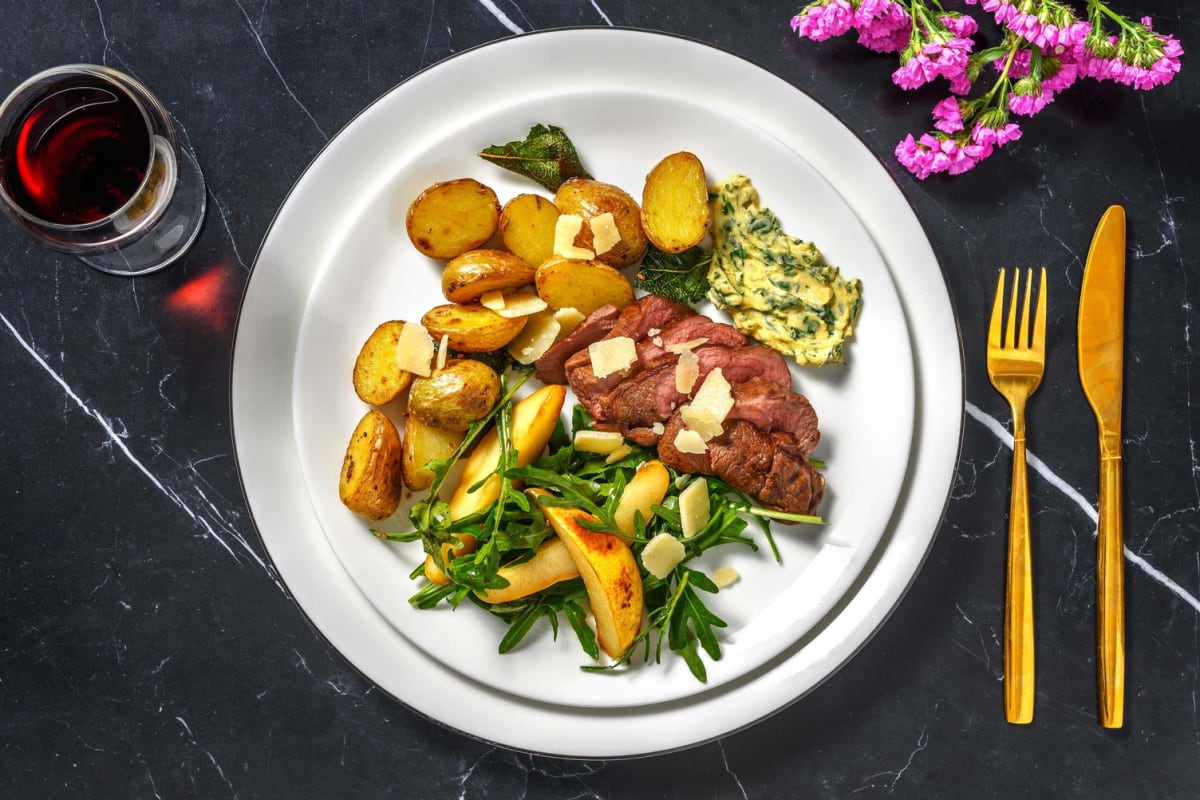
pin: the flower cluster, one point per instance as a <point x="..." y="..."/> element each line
<point x="1045" y="47"/>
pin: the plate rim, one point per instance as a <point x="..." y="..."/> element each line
<point x="917" y="560"/>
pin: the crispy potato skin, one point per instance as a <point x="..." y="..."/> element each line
<point x="454" y="396"/>
<point x="452" y="217"/>
<point x="377" y="379"/>
<point x="371" y="481"/>
<point x="424" y="443"/>
<point x="675" y="210"/>
<point x="584" y="285"/>
<point x="471" y="328"/>
<point x="589" y="199"/>
<point x="469" y="276"/>
<point x="527" y="227"/>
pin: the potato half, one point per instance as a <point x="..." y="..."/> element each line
<point x="378" y="379"/>
<point x="454" y="396"/>
<point x="452" y="217"/>
<point x="472" y="274"/>
<point x="471" y="328"/>
<point x="675" y="209"/>
<point x="589" y="199"/>
<point x="582" y="284"/>
<point x="371" y="482"/>
<point x="527" y="227"/>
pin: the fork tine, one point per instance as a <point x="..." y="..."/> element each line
<point x="1039" y="325"/>
<point x="1023" y="340"/>
<point x="997" y="313"/>
<point x="1010" y="336"/>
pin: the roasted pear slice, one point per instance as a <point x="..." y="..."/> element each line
<point x="610" y="575"/>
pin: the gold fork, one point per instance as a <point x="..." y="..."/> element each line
<point x="1015" y="365"/>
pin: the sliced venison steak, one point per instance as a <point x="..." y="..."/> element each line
<point x="551" y="367"/>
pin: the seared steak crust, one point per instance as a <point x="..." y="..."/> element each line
<point x="766" y="466"/>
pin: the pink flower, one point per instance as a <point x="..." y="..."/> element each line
<point x="939" y="153"/>
<point x="943" y="56"/>
<point x="947" y="116"/>
<point x="824" y="20"/>
<point x="987" y="136"/>
<point x="889" y="33"/>
<point x="1135" y="75"/>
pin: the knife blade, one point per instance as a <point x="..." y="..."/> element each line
<point x="1101" y="372"/>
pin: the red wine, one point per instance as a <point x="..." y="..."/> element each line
<point x="79" y="152"/>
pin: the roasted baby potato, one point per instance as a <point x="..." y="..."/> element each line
<point x="471" y="328"/>
<point x="377" y="378"/>
<point x="454" y="396"/>
<point x="371" y="483"/>
<point x="527" y="227"/>
<point x="584" y="285"/>
<point x="469" y="276"/>
<point x="424" y="443"/>
<point x="675" y="208"/>
<point x="452" y="217"/>
<point x="588" y="199"/>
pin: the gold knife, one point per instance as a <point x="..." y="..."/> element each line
<point x="1101" y="363"/>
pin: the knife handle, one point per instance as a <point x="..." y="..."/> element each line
<point x="1018" y="605"/>
<point x="1110" y="595"/>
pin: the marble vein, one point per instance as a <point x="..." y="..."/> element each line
<point x="117" y="439"/>
<point x="263" y="47"/>
<point x="1039" y="466"/>
<point x="500" y="16"/>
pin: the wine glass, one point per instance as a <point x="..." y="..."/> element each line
<point x="90" y="165"/>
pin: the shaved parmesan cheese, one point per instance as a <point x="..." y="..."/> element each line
<point x="725" y="577"/>
<point x="568" y="319"/>
<point x="443" y="351"/>
<point x="694" y="508"/>
<point x="493" y="300"/>
<point x="687" y="370"/>
<point x="662" y="554"/>
<point x="657" y="429"/>
<point x="539" y="333"/>
<point x="603" y="442"/>
<point x="618" y="454"/>
<point x="605" y="235"/>
<point x="612" y="355"/>
<point x="702" y="422"/>
<point x="520" y="303"/>
<point x="566" y="229"/>
<point x="414" y="350"/>
<point x="688" y="441"/>
<point x="710" y="405"/>
<point x="681" y="347"/>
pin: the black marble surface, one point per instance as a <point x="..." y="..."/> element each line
<point x="147" y="650"/>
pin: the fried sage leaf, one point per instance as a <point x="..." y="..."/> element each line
<point x="546" y="156"/>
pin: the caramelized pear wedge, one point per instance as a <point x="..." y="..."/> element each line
<point x="551" y="564"/>
<point x="610" y="575"/>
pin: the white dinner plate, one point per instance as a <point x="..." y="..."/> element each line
<point x="336" y="262"/>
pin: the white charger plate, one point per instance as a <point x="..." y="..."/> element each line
<point x="342" y="227"/>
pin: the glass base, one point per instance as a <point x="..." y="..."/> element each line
<point x="171" y="235"/>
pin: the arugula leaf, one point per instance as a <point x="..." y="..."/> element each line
<point x="546" y="155"/>
<point x="682" y="277"/>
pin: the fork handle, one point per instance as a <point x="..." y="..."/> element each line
<point x="1110" y="599"/>
<point x="1018" y="606"/>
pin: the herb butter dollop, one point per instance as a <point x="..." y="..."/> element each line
<point x="776" y="287"/>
